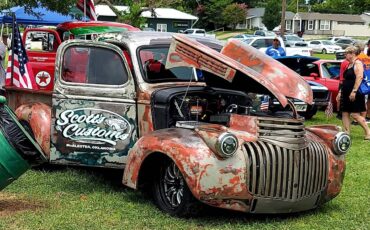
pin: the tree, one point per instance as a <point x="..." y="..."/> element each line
<point x="234" y="13"/>
<point x="272" y="14"/>
<point x="213" y="10"/>
<point x="62" y="7"/>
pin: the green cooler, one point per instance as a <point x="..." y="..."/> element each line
<point x="13" y="162"/>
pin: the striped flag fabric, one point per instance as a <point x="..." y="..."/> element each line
<point x="264" y="103"/>
<point x="88" y="7"/>
<point x="329" y="109"/>
<point x="22" y="72"/>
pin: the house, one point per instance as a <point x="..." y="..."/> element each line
<point x="314" y="23"/>
<point x="328" y="24"/>
<point x="253" y="20"/>
<point x="163" y="19"/>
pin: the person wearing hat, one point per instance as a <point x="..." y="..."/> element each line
<point x="275" y="50"/>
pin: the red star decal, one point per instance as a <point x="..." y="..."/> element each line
<point x="43" y="78"/>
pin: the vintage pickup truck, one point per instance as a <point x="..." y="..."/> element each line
<point x="42" y="43"/>
<point x="175" y="114"/>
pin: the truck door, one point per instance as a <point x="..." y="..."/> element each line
<point x="94" y="108"/>
<point x="41" y="46"/>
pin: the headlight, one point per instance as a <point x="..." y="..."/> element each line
<point x="226" y="145"/>
<point x="341" y="143"/>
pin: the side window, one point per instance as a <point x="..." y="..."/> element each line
<point x="93" y="65"/>
<point x="199" y="32"/>
<point x="259" y="43"/>
<point x="40" y="41"/>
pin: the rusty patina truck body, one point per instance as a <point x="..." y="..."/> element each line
<point x="176" y="113"/>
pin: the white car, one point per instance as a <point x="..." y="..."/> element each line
<point x="262" y="43"/>
<point x="334" y="39"/>
<point x="323" y="46"/>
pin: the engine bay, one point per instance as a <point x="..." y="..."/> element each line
<point x="203" y="105"/>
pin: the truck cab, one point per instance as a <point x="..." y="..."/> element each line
<point x="41" y="45"/>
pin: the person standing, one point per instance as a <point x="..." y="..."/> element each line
<point x="365" y="59"/>
<point x="275" y="50"/>
<point x="2" y="60"/>
<point x="353" y="103"/>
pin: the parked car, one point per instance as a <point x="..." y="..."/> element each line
<point x="324" y="72"/>
<point x="242" y="36"/>
<point x="264" y="33"/>
<point x="323" y="46"/>
<point x="333" y="39"/>
<point x="345" y="42"/>
<point x="321" y="98"/>
<point x="148" y="29"/>
<point x="262" y="43"/>
<point x="340" y="55"/>
<point x="198" y="32"/>
<point x="293" y="41"/>
<point x="174" y="115"/>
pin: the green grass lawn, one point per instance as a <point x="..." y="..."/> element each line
<point x="72" y="198"/>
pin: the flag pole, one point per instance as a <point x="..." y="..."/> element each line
<point x="85" y="9"/>
<point x="12" y="49"/>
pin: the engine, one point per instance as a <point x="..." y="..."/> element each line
<point x="201" y="104"/>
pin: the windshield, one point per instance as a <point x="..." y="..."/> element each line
<point x="327" y="43"/>
<point x="153" y="62"/>
<point x="269" y="33"/>
<point x="293" y="38"/>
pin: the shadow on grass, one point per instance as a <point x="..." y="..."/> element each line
<point x="107" y="180"/>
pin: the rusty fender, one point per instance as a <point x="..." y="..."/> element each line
<point x="38" y="116"/>
<point x="337" y="164"/>
<point x="212" y="180"/>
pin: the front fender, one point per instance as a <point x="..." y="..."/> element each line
<point x="38" y="116"/>
<point x="337" y="164"/>
<point x="208" y="177"/>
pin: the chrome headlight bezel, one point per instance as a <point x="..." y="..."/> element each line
<point x="224" y="142"/>
<point x="341" y="143"/>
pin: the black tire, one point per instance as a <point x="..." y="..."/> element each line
<point x="323" y="51"/>
<point x="310" y="112"/>
<point x="171" y="193"/>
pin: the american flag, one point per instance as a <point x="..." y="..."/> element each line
<point x="264" y="103"/>
<point x="22" y="72"/>
<point x="329" y="109"/>
<point x="88" y="7"/>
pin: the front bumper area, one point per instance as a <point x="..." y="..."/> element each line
<point x="271" y="206"/>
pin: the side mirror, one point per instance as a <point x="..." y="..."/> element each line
<point x="314" y="75"/>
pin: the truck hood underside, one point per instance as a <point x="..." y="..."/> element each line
<point x="240" y="67"/>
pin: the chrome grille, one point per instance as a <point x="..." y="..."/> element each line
<point x="287" y="133"/>
<point x="282" y="173"/>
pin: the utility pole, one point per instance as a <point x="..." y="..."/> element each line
<point x="282" y="23"/>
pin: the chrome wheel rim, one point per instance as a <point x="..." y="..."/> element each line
<point x="173" y="185"/>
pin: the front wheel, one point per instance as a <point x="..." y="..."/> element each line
<point x="324" y="51"/>
<point x="171" y="193"/>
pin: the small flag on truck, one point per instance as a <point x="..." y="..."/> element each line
<point x="20" y="74"/>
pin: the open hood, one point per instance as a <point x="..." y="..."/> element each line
<point x="240" y="67"/>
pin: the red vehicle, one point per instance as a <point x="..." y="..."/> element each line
<point x="324" y="72"/>
<point x="42" y="43"/>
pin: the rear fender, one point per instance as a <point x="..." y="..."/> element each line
<point x="208" y="177"/>
<point x="38" y="116"/>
